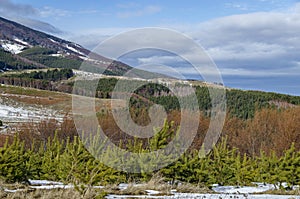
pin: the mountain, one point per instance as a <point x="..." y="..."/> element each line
<point x="23" y="48"/>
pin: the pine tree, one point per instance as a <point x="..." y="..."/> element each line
<point x="34" y="163"/>
<point x="222" y="159"/>
<point x="51" y="158"/>
<point x="289" y="167"/>
<point x="13" y="158"/>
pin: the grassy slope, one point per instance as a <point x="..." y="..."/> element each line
<point x="55" y="100"/>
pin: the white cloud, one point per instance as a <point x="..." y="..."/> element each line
<point x="246" y="51"/>
<point x="254" y="44"/>
<point x="159" y="59"/>
<point x="8" y="7"/>
<point x="237" y="72"/>
<point x="21" y="12"/>
<point x="237" y="6"/>
<point x="93" y="37"/>
<point x="148" y="10"/>
<point x="251" y="43"/>
<point x="38" y="25"/>
<point x="48" y="11"/>
<point x="88" y="11"/>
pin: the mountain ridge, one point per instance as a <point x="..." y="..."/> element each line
<point x="16" y="39"/>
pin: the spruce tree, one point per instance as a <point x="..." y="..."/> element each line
<point x="13" y="158"/>
<point x="289" y="167"/>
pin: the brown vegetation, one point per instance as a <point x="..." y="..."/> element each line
<point x="269" y="130"/>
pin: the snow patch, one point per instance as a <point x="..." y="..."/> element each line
<point x="22" y="42"/>
<point x="56" y="55"/>
<point x="12" y="47"/>
<point x="44" y="182"/>
<point x="152" y="192"/>
<point x="244" y="189"/>
<point x="56" y="186"/>
<point x="10" y="190"/>
<point x="84" y="58"/>
<point x="75" y="50"/>
<point x="78" y="46"/>
<point x="53" y="41"/>
<point x="12" y="111"/>
<point x="202" y="196"/>
<point x="222" y="192"/>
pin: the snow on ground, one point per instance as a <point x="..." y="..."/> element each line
<point x="244" y="189"/>
<point x="12" y="47"/>
<point x="46" y="184"/>
<point x="123" y="186"/>
<point x="84" y="58"/>
<point x="12" y="111"/>
<point x="11" y="114"/>
<point x="22" y="42"/>
<point x="77" y="45"/>
<point x="57" y="55"/>
<point x="74" y="50"/>
<point x="223" y="192"/>
<point x="152" y="192"/>
<point x="205" y="196"/>
<point x="228" y="194"/>
<point x="53" y="40"/>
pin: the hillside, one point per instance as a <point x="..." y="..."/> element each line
<point x="250" y="114"/>
<point x="258" y="149"/>
<point x="24" y="48"/>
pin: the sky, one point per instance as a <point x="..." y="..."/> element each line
<point x="255" y="44"/>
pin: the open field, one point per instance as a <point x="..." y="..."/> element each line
<point x="20" y="105"/>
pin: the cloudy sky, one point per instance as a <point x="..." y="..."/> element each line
<point x="255" y="43"/>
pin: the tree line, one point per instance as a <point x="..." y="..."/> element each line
<point x="45" y="80"/>
<point x="241" y="104"/>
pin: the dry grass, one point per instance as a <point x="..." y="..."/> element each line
<point x="49" y="194"/>
<point x="130" y="190"/>
<point x="55" y="100"/>
<point x="190" y="188"/>
<point x="29" y="96"/>
<point x="283" y="192"/>
<point x="26" y="192"/>
<point x="157" y="183"/>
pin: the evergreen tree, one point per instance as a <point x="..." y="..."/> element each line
<point x="289" y="167"/>
<point x="13" y="158"/>
<point x="51" y="158"/>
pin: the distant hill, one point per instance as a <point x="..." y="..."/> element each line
<point x="24" y="48"/>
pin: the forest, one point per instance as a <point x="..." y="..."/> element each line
<point x="8" y="61"/>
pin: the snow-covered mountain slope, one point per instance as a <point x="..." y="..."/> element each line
<point x="17" y="40"/>
<point x="15" y="46"/>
